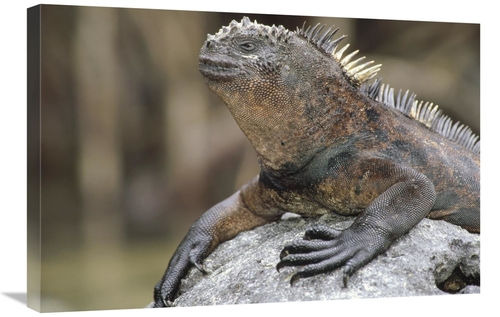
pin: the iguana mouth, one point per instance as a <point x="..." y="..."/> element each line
<point x="218" y="69"/>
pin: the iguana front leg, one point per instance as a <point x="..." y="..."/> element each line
<point x="390" y="215"/>
<point x="220" y="223"/>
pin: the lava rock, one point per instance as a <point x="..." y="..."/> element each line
<point x="243" y="270"/>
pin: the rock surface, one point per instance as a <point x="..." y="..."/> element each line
<point x="243" y="270"/>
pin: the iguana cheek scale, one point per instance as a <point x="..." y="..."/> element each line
<point x="327" y="141"/>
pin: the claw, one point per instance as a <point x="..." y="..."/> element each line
<point x="164" y="303"/>
<point x="347" y="272"/>
<point x="345" y="279"/>
<point x="283" y="253"/>
<point x="279" y="266"/>
<point x="197" y="263"/>
<point x="294" y="279"/>
<point x="201" y="268"/>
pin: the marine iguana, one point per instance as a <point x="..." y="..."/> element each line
<point x="327" y="141"/>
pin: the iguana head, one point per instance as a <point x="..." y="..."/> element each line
<point x="243" y="64"/>
<point x="242" y="51"/>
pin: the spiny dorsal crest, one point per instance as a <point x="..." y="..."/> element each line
<point x="273" y="33"/>
<point x="426" y="113"/>
<point x="324" y="41"/>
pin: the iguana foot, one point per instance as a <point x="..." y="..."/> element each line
<point x="191" y="252"/>
<point x="220" y="223"/>
<point x="324" y="249"/>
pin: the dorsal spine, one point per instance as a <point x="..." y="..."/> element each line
<point x="426" y="113"/>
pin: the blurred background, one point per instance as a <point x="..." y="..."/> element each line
<point x="134" y="147"/>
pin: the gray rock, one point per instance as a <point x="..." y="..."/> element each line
<point x="243" y="270"/>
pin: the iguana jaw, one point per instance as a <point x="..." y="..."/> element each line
<point x="219" y="69"/>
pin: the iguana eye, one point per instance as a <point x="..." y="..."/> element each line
<point x="247" y="46"/>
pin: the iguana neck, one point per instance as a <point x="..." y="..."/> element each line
<point x="291" y="126"/>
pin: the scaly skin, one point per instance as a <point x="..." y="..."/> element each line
<point x="323" y="146"/>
